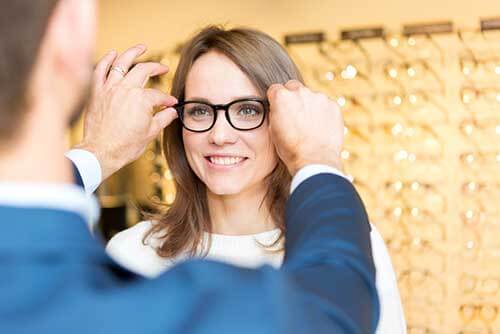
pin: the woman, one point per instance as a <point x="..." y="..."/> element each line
<point x="231" y="185"/>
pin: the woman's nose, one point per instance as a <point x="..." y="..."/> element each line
<point x="222" y="132"/>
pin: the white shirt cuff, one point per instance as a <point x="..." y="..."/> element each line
<point x="311" y="170"/>
<point x="89" y="168"/>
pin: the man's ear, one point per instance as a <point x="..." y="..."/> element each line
<point x="70" y="38"/>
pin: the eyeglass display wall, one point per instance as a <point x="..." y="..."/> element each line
<point x="422" y="143"/>
<point x="423" y="146"/>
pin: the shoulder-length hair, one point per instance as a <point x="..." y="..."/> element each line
<point x="264" y="61"/>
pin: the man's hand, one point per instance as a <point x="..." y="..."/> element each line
<point x="120" y="120"/>
<point x="307" y="127"/>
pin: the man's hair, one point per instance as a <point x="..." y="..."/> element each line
<point x="22" y="27"/>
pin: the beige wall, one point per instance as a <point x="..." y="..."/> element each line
<point x="162" y="23"/>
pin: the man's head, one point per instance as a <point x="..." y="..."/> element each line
<point x="45" y="60"/>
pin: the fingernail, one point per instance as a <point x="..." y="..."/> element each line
<point x="173" y="111"/>
<point x="141" y="46"/>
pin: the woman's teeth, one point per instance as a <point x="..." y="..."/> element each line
<point x="225" y="160"/>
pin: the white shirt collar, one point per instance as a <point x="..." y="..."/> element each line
<point x="65" y="197"/>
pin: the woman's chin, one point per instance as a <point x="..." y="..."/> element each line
<point x="224" y="189"/>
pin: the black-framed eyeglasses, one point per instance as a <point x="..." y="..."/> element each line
<point x="243" y="114"/>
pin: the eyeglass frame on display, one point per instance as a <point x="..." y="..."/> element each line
<point x="427" y="275"/>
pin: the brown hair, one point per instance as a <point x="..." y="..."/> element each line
<point x="22" y="26"/>
<point x="265" y="62"/>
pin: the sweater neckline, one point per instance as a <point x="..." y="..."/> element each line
<point x="259" y="235"/>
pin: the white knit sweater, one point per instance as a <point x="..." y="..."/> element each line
<point x="128" y="249"/>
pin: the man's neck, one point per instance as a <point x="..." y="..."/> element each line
<point x="36" y="155"/>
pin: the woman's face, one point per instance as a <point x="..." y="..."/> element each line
<point x="228" y="161"/>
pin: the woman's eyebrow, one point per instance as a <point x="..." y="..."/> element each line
<point x="248" y="97"/>
<point x="203" y="99"/>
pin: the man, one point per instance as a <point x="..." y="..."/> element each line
<point x="57" y="279"/>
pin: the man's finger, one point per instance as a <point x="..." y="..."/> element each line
<point x="123" y="63"/>
<point x="272" y="90"/>
<point x="293" y="85"/>
<point x="158" y="98"/>
<point x="140" y="74"/>
<point x="102" y="68"/>
<point x="161" y="120"/>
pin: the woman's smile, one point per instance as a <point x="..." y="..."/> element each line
<point x="225" y="162"/>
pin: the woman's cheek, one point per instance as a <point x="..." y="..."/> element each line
<point x="189" y="150"/>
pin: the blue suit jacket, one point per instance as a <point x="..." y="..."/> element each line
<point x="55" y="278"/>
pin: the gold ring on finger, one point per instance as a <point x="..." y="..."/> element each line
<point x="119" y="70"/>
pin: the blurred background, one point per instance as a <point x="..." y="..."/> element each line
<point x="419" y="85"/>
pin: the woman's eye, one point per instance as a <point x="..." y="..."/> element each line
<point x="249" y="111"/>
<point x="197" y="112"/>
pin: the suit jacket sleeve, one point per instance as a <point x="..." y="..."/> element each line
<point x="77" y="176"/>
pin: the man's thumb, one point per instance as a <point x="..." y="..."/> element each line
<point x="161" y="120"/>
